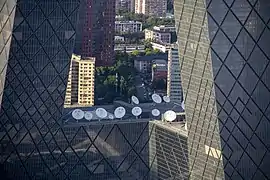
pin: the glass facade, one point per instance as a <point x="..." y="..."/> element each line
<point x="224" y="58"/>
<point x="174" y="89"/>
<point x="38" y="62"/>
<point x="38" y="39"/>
<point x="7" y="14"/>
<point x="168" y="152"/>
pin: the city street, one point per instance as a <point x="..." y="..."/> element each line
<point x="142" y="89"/>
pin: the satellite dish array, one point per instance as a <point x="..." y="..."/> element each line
<point x="136" y="111"/>
<point x="155" y="112"/>
<point x="135" y="100"/>
<point x="183" y="105"/>
<point x="120" y="112"/>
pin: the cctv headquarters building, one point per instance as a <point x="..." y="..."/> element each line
<point x="224" y="60"/>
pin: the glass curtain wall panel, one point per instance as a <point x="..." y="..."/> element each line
<point x="224" y="59"/>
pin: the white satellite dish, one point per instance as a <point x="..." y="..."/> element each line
<point x="101" y="113"/>
<point x="156" y="98"/>
<point x="88" y="115"/>
<point x="77" y="114"/>
<point x="111" y="116"/>
<point x="166" y="99"/>
<point x="136" y="111"/>
<point x="135" y="100"/>
<point x="170" y="115"/>
<point x="155" y="112"/>
<point x="119" y="112"/>
<point x="183" y="105"/>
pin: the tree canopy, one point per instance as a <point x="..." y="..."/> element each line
<point x="135" y="53"/>
<point x="109" y="87"/>
<point x="148" y="21"/>
<point x="159" y="84"/>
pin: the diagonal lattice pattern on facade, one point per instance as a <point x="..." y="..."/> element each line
<point x="7" y="14"/>
<point x="224" y="59"/>
<point x="168" y="152"/>
<point x="39" y="38"/>
<point x="98" y="152"/>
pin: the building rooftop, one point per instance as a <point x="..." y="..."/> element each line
<point x="128" y="22"/>
<point x="144" y="117"/>
<point x="161" y="44"/>
<point x="162" y="29"/>
<point x="152" y="57"/>
<point x="177" y="127"/>
<point x="119" y="17"/>
<point x="164" y="26"/>
<point x="80" y="58"/>
<point x="159" y="31"/>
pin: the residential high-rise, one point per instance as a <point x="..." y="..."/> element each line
<point x="174" y="89"/>
<point x="224" y="58"/>
<point x="124" y="5"/>
<point x="151" y="7"/>
<point x="118" y="6"/>
<point x="81" y="79"/>
<point x="95" y="31"/>
<point x="170" y="4"/>
<point x="139" y="6"/>
<point x="130" y="5"/>
<point x="159" y="69"/>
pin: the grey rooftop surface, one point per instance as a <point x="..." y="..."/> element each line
<point x="128" y="118"/>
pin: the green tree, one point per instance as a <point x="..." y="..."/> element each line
<point x="148" y="21"/>
<point x="156" y="51"/>
<point x="105" y="80"/>
<point x="147" y="44"/>
<point x="130" y="61"/>
<point x="159" y="84"/>
<point x="131" y="91"/>
<point x="109" y="97"/>
<point x="148" y="51"/>
<point x="123" y="85"/>
<point x="101" y="90"/>
<point x="131" y="80"/>
<point x="125" y="71"/>
<point x="100" y="70"/>
<point x="135" y="53"/>
<point x="110" y="81"/>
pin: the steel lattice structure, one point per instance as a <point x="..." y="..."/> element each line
<point x="224" y="57"/>
<point x="37" y="41"/>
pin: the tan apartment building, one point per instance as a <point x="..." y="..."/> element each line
<point x="127" y="5"/>
<point x="151" y="7"/>
<point x="81" y="78"/>
<point x="162" y="33"/>
<point x="157" y="36"/>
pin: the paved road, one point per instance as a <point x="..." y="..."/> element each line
<point x="140" y="88"/>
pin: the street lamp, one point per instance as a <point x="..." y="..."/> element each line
<point x="116" y="81"/>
